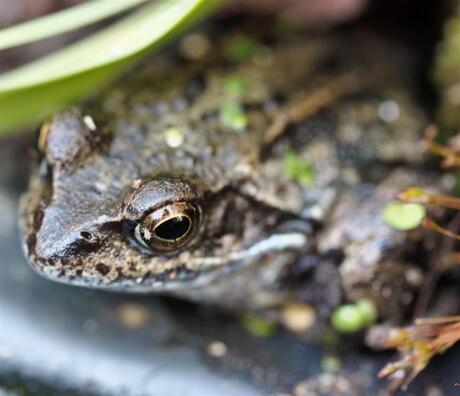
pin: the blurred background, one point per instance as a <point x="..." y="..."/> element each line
<point x="58" y="340"/>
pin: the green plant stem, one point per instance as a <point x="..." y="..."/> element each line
<point x="32" y="91"/>
<point x="63" y="21"/>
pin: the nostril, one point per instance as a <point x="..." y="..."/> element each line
<point x="87" y="236"/>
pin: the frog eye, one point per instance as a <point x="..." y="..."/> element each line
<point x="170" y="227"/>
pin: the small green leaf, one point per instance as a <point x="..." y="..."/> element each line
<point x="259" y="327"/>
<point x="368" y="310"/>
<point x="232" y="115"/>
<point x="236" y="86"/>
<point x="174" y="137"/>
<point x="347" y="319"/>
<point x="63" y="21"/>
<point x="297" y="169"/>
<point x="350" y="318"/>
<point x="240" y="48"/>
<point x="331" y="364"/>
<point x="403" y="216"/>
<point x="34" y="90"/>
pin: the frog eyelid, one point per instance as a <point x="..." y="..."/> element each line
<point x="166" y="203"/>
<point x="138" y="236"/>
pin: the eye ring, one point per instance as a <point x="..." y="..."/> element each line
<point x="169" y="228"/>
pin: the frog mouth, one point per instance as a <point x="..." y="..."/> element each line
<point x="274" y="243"/>
<point x="201" y="271"/>
<point x="204" y="270"/>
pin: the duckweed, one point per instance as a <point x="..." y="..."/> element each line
<point x="174" y="137"/>
<point x="297" y="169"/>
<point x="403" y="216"/>
<point x="236" y="85"/>
<point x="240" y="48"/>
<point x="350" y="318"/>
<point x="232" y="115"/>
<point x="258" y="326"/>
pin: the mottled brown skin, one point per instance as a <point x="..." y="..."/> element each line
<point x="253" y="224"/>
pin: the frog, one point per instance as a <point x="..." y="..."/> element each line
<point x="178" y="178"/>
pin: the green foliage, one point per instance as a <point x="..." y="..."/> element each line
<point x="298" y="169"/>
<point x="32" y="91"/>
<point x="331" y="364"/>
<point x="403" y="216"/>
<point x="350" y="318"/>
<point x="259" y="327"/>
<point x="347" y="319"/>
<point x="232" y="115"/>
<point x="174" y="137"/>
<point x="236" y="86"/>
<point x="368" y="310"/>
<point x="240" y="48"/>
<point x="63" y="21"/>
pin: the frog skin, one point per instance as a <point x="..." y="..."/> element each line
<point x="214" y="217"/>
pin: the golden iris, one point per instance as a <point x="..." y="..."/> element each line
<point x="169" y="227"/>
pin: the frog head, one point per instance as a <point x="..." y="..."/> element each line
<point x="124" y="212"/>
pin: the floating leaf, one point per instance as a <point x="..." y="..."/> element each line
<point x="174" y="137"/>
<point x="347" y="319"/>
<point x="34" y="90"/>
<point x="240" y="48"/>
<point x="63" y="21"/>
<point x="298" y="169"/>
<point x="259" y="327"/>
<point x="368" y="310"/>
<point x="236" y="86"/>
<point x="350" y="318"/>
<point x="232" y="115"/>
<point x="403" y="216"/>
<point x="331" y="364"/>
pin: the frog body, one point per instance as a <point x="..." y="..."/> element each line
<point x="169" y="181"/>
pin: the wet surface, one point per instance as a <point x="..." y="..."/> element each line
<point x="56" y="339"/>
<point x="75" y="338"/>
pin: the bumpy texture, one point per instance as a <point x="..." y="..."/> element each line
<point x="229" y="136"/>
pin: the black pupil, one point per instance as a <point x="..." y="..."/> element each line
<point x="173" y="229"/>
